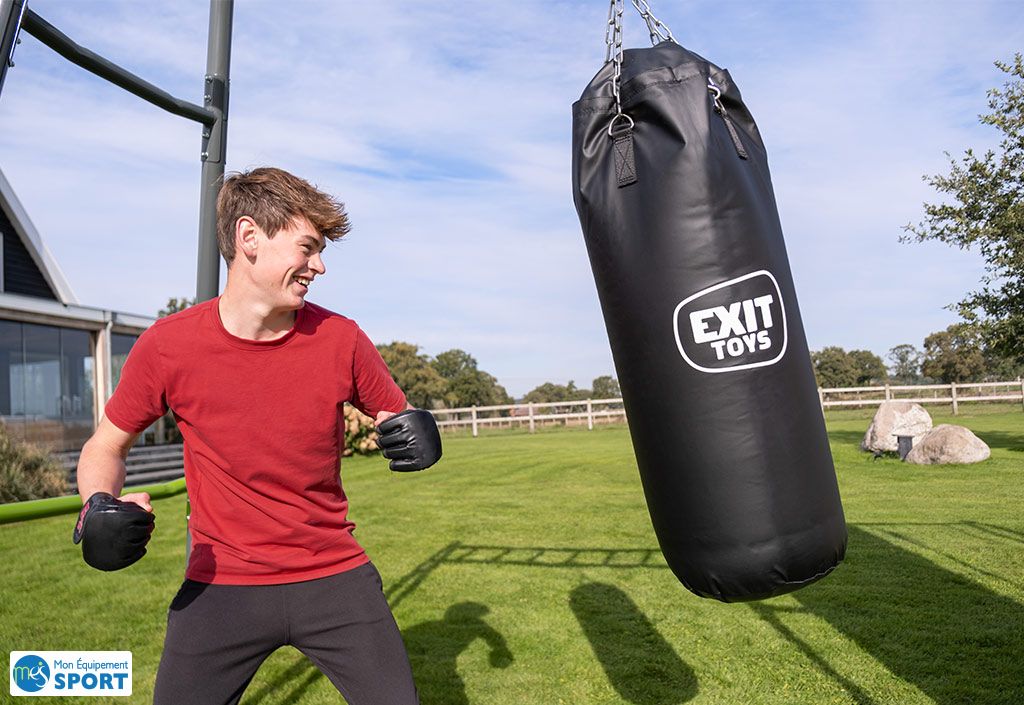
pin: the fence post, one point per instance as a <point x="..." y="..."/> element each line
<point x="532" y="428"/>
<point x="821" y="400"/>
<point x="590" y="415"/>
<point x="952" y="388"/>
<point x="474" y="421"/>
<point x="888" y="392"/>
<point x="1022" y="394"/>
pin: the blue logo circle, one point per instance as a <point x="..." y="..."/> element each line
<point x="31" y="673"/>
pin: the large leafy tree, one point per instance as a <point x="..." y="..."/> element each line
<point x="550" y="392"/>
<point x="467" y="385"/>
<point x="423" y="386"/>
<point x="833" y="367"/>
<point x="954" y="355"/>
<point x="606" y="387"/>
<point x="906" y="363"/>
<point x="870" y="368"/>
<point x="984" y="209"/>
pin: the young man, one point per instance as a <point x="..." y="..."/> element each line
<point x="256" y="379"/>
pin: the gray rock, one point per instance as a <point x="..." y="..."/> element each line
<point x="947" y="444"/>
<point x="894" y="418"/>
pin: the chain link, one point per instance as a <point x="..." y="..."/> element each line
<point x="658" y="31"/>
<point x="613" y="39"/>
<point x="654" y="25"/>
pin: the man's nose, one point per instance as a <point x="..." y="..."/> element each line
<point x="317" y="264"/>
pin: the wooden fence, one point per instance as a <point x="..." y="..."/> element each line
<point x="563" y="413"/>
<point x="951" y="394"/>
<point x="591" y="412"/>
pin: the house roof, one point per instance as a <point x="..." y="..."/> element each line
<point x="34" y="244"/>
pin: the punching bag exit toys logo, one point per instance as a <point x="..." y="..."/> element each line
<point x="736" y="325"/>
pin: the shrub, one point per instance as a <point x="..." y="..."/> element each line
<point x="28" y="472"/>
<point x="360" y="433"/>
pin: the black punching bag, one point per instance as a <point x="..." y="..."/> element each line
<point x="671" y="183"/>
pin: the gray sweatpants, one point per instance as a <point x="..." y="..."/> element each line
<point x="218" y="635"/>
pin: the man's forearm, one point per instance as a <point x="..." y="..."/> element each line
<point x="100" y="469"/>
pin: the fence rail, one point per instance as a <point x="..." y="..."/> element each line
<point x="951" y="394"/>
<point x="602" y="411"/>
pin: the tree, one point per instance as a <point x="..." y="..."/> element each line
<point x="870" y="368"/>
<point x="606" y="387"/>
<point x="466" y="384"/>
<point x="550" y="392"/>
<point x="985" y="210"/>
<point x="422" y="385"/>
<point x="475" y="387"/>
<point x="906" y="363"/>
<point x="1001" y="369"/>
<point x="175" y="305"/>
<point x="954" y="355"/>
<point x="452" y="362"/>
<point x="834" y="368"/>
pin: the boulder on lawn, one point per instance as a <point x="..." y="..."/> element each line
<point x="894" y="418"/>
<point x="947" y="444"/>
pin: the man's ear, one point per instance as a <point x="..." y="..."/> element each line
<point x="246" y="235"/>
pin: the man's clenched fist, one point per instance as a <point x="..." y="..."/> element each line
<point x="410" y="440"/>
<point x="113" y="533"/>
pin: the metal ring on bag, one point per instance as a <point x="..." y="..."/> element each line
<point x="611" y="125"/>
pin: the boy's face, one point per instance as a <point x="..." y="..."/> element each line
<point x="293" y="254"/>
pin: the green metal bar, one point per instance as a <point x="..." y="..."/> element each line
<point x="72" y="504"/>
<point x="11" y="12"/>
<point x="215" y="136"/>
<point x="94" y="63"/>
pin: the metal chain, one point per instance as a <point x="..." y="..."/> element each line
<point x="613" y="38"/>
<point x="654" y="25"/>
<point x="658" y="31"/>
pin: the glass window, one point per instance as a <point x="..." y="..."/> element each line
<point x="76" y="374"/>
<point x="12" y="388"/>
<point x="41" y="371"/>
<point x="120" y="346"/>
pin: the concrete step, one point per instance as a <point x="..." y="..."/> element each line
<point x="146" y="478"/>
<point x="70" y="458"/>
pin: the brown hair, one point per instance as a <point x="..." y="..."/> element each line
<point x="272" y="197"/>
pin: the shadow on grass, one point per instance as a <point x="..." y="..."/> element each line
<point x="434" y="648"/>
<point x="847" y="438"/>
<point x="1002" y="439"/>
<point x="954" y="639"/>
<point x="994" y="439"/>
<point x="643" y="668"/>
<point x="533" y="556"/>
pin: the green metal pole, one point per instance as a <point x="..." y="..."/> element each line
<point x="215" y="97"/>
<point x="72" y="504"/>
<point x="11" y="13"/>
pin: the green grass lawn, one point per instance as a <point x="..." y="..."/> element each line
<point x="523" y="569"/>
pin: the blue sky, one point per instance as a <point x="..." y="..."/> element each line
<point x="446" y="130"/>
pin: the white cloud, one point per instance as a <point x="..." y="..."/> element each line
<point x="447" y="134"/>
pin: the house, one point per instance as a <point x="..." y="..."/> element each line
<point x="59" y="360"/>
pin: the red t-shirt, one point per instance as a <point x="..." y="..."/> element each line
<point x="263" y="430"/>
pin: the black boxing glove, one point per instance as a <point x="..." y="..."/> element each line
<point x="113" y="533"/>
<point x="410" y="440"/>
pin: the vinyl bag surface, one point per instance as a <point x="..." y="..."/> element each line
<point x="682" y="230"/>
